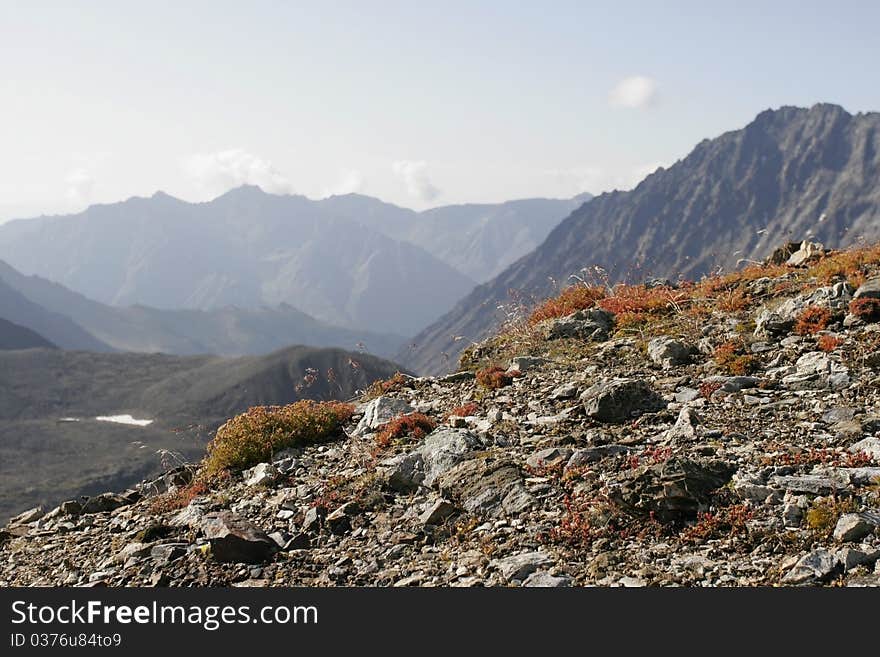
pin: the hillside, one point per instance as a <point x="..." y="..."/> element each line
<point x="791" y="173"/>
<point x="51" y="446"/>
<point x="58" y="329"/>
<point x="13" y="336"/>
<point x="228" y="331"/>
<point x="718" y="433"/>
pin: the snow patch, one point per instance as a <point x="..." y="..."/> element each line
<point x="123" y="419"/>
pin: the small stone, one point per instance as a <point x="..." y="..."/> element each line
<point x="103" y="503"/>
<point x="262" y="474"/>
<point x="869" y="446"/>
<point x="620" y="400"/>
<point x="437" y="512"/>
<point x="27" y="517"/>
<point x="852" y="527"/>
<point x="313" y="519"/>
<point x="520" y="566"/>
<point x="667" y="352"/>
<point x="544" y="579"/>
<point x="817" y="566"/>
<point x="549" y="458"/>
<point x="380" y="411"/>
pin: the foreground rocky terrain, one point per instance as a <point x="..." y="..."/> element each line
<point x="724" y="433"/>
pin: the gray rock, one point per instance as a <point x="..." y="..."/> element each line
<point x="565" y="391"/>
<point x="519" y="566"/>
<point x="380" y="411"/>
<point x="817" y="566"/>
<point x="441" y="450"/>
<point x="809" y="483"/>
<point x="620" y="400"/>
<point x="672" y="490"/>
<point x="587" y="455"/>
<point x="870" y="289"/>
<point x="262" y="474"/>
<point x="806" y="253"/>
<point x="437" y="512"/>
<point x="339" y="521"/>
<point x="103" y="503"/>
<point x="869" y="446"/>
<point x="525" y="363"/>
<point x="593" y="325"/>
<point x="668" y="352"/>
<point x="487" y="487"/>
<point x="838" y="414"/>
<point x="312" y="519"/>
<point x="685" y="428"/>
<point x="852" y="527"/>
<point x="550" y="457"/>
<point x="774" y="322"/>
<point x="734" y="383"/>
<point x="27" y="517"/>
<point x="234" y="539"/>
<point x="457" y="377"/>
<point x="167" y="552"/>
<point x="850" y="558"/>
<point x="686" y="395"/>
<point x="542" y="579"/>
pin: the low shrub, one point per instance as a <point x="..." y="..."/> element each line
<point x="381" y="387"/>
<point x="865" y="309"/>
<point x="729" y="358"/>
<point x="812" y="320"/>
<point x="411" y="427"/>
<point x="255" y="435"/>
<point x="493" y="378"/>
<point x="828" y="343"/>
<point x="465" y="410"/>
<point x="571" y="299"/>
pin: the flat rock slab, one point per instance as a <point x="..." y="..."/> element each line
<point x="620" y="400"/>
<point x="487" y="487"/>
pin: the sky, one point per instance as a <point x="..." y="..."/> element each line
<point x="418" y="103"/>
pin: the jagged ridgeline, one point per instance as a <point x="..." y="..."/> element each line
<point x="789" y="174"/>
<point x="713" y="433"/>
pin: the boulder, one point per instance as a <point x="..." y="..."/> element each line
<point x="486" y="487"/>
<point x="262" y="474"/>
<point x="620" y="400"/>
<point x="437" y="512"/>
<point x="852" y="527"/>
<point x="869" y="446"/>
<point x="103" y="503"/>
<point x="807" y="252"/>
<point x="234" y="539"/>
<point x="380" y="411"/>
<point x="773" y="322"/>
<point x="667" y="352"/>
<point x="870" y="289"/>
<point x="673" y="490"/>
<point x="441" y="450"/>
<point x="593" y="325"/>
<point x="27" y="517"/>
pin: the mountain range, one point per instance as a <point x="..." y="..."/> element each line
<point x="351" y="261"/>
<point x="791" y="173"/>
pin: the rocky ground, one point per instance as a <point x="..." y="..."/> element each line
<point x="706" y="444"/>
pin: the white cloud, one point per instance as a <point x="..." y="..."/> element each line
<point x="80" y="185"/>
<point x="350" y="181"/>
<point x="219" y="172"/>
<point x="415" y="177"/>
<point x="636" y="91"/>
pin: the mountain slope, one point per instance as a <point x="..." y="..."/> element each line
<point x="226" y="331"/>
<point x="13" y="336"/>
<point x="245" y="248"/>
<point x="477" y="239"/>
<point x="54" y="327"/>
<point x="791" y="173"/>
<point x="52" y="447"/>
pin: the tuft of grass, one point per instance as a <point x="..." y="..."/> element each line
<point x="812" y="320"/>
<point x="410" y="427"/>
<point x="570" y="300"/>
<point x="493" y="378"/>
<point x="822" y="517"/>
<point x="731" y="358"/>
<point x="382" y="387"/>
<point x="465" y="410"/>
<point x="253" y="436"/>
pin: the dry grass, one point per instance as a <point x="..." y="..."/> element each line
<point x="570" y="300"/>
<point x="411" y="427"/>
<point x="812" y="320"/>
<point x="731" y="358"/>
<point x="494" y="377"/>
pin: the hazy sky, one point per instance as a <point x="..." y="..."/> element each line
<point x="419" y="103"/>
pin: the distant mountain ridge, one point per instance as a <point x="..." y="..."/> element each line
<point x="791" y="173"/>
<point x="76" y="322"/>
<point x="13" y="337"/>
<point x="352" y="261"/>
